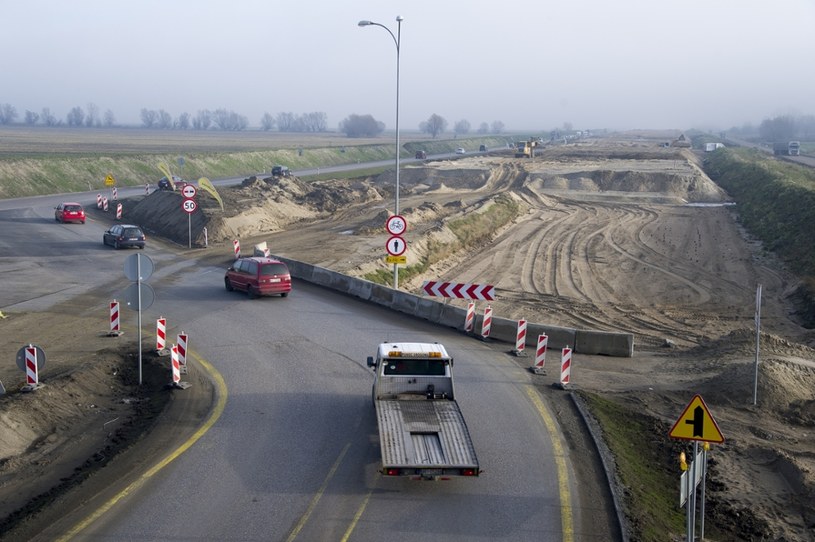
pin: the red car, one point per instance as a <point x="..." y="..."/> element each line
<point x="258" y="276"/>
<point x="69" y="212"/>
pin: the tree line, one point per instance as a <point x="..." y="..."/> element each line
<point x="780" y="128"/>
<point x="223" y="119"/>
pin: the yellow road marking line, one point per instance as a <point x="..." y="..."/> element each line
<point x="566" y="520"/>
<point x="317" y="496"/>
<point x="220" y="386"/>
<point x="358" y="515"/>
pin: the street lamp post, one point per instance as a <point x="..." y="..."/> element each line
<point x="397" y="39"/>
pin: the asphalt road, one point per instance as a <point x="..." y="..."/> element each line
<point x="293" y="456"/>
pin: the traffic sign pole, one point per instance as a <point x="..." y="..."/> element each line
<point x="189" y="205"/>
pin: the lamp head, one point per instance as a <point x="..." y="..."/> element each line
<point x="364" y="23"/>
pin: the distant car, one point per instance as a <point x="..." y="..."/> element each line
<point x="258" y="276"/>
<point x="124" y="236"/>
<point x="460" y="151"/>
<point x="177" y="184"/>
<point x="69" y="212"/>
<point x="281" y="171"/>
<point x="421" y="155"/>
<point x="482" y="148"/>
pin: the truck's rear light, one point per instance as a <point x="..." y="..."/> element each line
<point x="392" y="472"/>
<point x="468" y="472"/>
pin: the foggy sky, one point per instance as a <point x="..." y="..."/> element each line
<point x="531" y="65"/>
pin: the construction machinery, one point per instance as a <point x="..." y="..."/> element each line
<point x="526" y="149"/>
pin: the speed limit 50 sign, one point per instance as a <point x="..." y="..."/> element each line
<point x="189" y="206"/>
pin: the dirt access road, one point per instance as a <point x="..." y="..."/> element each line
<point x="618" y="235"/>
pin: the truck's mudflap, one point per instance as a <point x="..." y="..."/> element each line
<point x="425" y="438"/>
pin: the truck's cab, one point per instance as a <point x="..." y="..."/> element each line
<point x="423" y="370"/>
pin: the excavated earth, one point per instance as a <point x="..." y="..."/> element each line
<point x="620" y="236"/>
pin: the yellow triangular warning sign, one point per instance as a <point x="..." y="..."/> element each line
<point x="696" y="423"/>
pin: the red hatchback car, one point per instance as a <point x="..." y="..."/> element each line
<point x="69" y="212"/>
<point x="258" y="276"/>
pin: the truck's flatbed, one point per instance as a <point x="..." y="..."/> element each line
<point x="429" y="436"/>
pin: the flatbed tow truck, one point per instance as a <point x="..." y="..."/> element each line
<point x="422" y="433"/>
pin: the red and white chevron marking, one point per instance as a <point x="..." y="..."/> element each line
<point x="486" y="324"/>
<point x="98" y="201"/>
<point x="114" y="315"/>
<point x="540" y="353"/>
<point x="469" y="320"/>
<point x="520" y="336"/>
<point x="161" y="333"/>
<point x="31" y="374"/>
<point x="176" y="366"/>
<point x="236" y="244"/>
<point x="460" y="290"/>
<point x="181" y="347"/>
<point x="566" y="365"/>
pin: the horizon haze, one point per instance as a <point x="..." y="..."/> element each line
<point x="634" y="64"/>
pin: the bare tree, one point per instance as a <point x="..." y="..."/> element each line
<point x="149" y="117"/>
<point x="91" y="117"/>
<point x="48" y="118"/>
<point x="165" y="120"/>
<point x="461" y="127"/>
<point x="7" y="113"/>
<point x="285" y="122"/>
<point x="183" y="122"/>
<point x="483" y="128"/>
<point x="267" y="122"/>
<point x="497" y="127"/>
<point x="75" y="116"/>
<point x="434" y="125"/>
<point x="315" y="122"/>
<point x="229" y="120"/>
<point x="108" y="120"/>
<point x="31" y="118"/>
<point x="202" y="120"/>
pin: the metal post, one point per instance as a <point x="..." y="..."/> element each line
<point x="704" y="477"/>
<point x="758" y="337"/>
<point x="138" y="284"/>
<point x="692" y="494"/>
<point x="397" y="40"/>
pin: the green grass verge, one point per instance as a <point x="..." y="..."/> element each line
<point x="470" y="231"/>
<point x="648" y="469"/>
<point x="775" y="201"/>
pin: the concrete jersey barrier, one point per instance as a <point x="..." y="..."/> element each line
<point x="582" y="341"/>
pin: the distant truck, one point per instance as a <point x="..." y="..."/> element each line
<point x="787" y="148"/>
<point x="421" y="155"/>
<point x="710" y="147"/>
<point x="526" y="149"/>
<point x="281" y="171"/>
<point x="422" y="433"/>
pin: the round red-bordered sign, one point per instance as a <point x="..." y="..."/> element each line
<point x="189" y="206"/>
<point x="396" y="225"/>
<point x="396" y="246"/>
<point x="188" y="191"/>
